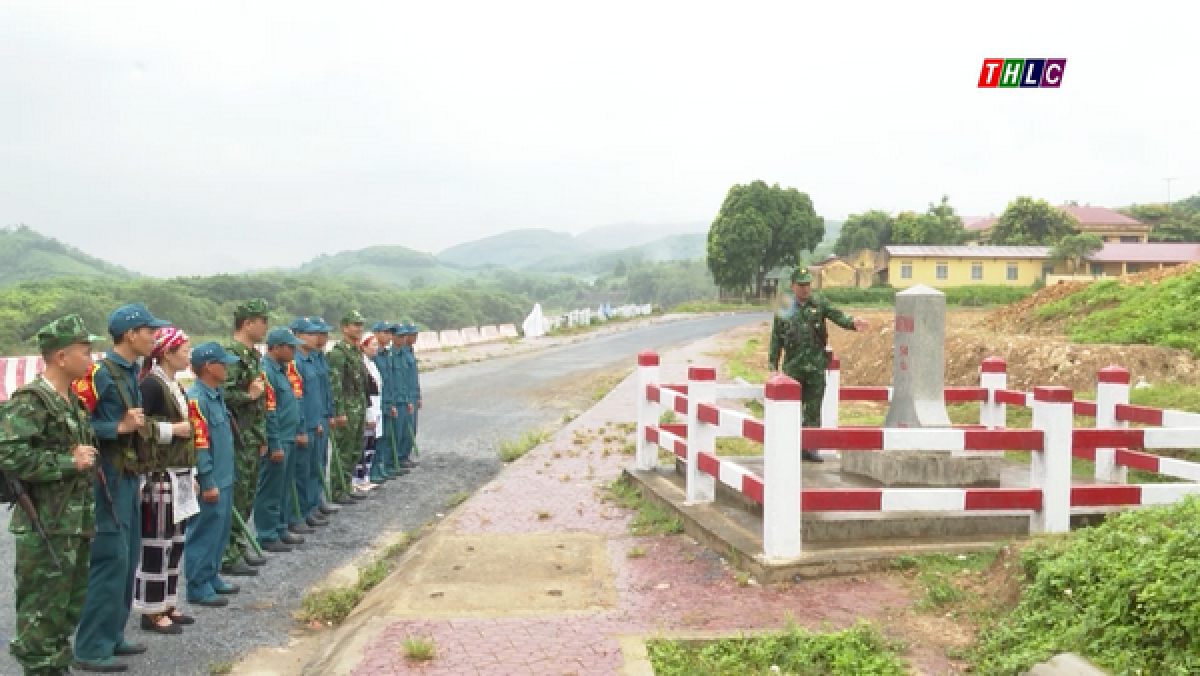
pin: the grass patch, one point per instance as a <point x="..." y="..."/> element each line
<point x="650" y="519"/>
<point x="697" y="306"/>
<point x="218" y="668"/>
<point x="419" y="649"/>
<point x="635" y="553"/>
<point x="738" y="446"/>
<point x="747" y="364"/>
<point x="668" y="417"/>
<point x="947" y="579"/>
<point x="858" y="651"/>
<point x="1124" y="594"/>
<point x="334" y="605"/>
<point x="457" y="499"/>
<point x="605" y="384"/>
<point x="512" y="449"/>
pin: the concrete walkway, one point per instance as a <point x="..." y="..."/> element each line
<point x="537" y="574"/>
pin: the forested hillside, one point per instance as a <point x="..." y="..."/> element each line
<point x="26" y="255"/>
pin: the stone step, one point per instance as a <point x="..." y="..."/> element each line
<point x="1066" y="664"/>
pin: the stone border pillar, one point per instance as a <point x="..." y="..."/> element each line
<point x="1112" y="388"/>
<point x="783" y="419"/>
<point x="832" y="398"/>
<point x="993" y="376"/>
<point x="1050" y="469"/>
<point x="646" y="457"/>
<point x="702" y="389"/>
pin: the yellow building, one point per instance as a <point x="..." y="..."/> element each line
<point x="1109" y="225"/>
<point x="945" y="266"/>
<point x="860" y="269"/>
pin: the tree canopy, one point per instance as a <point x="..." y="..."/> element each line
<point x="760" y="227"/>
<point x="1030" y="222"/>
<point x="1075" y="249"/>
<point x="870" y="230"/>
<point x="1178" y="223"/>
<point x="873" y="230"/>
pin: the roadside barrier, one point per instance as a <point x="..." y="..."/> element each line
<point x="1052" y="442"/>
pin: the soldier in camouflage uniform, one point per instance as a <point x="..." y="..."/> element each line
<point x="801" y="335"/>
<point x="243" y="390"/>
<point x="348" y="374"/>
<point x="47" y="442"/>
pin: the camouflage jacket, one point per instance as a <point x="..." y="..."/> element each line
<point x="249" y="414"/>
<point x="348" y="377"/>
<point x="800" y="334"/>
<point x="38" y="429"/>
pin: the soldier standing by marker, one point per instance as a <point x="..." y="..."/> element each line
<point x="285" y="428"/>
<point x="112" y="394"/>
<point x="390" y="402"/>
<point x="213" y="434"/>
<point x="47" y="444"/>
<point x="800" y="333"/>
<point x="322" y="475"/>
<point x="348" y="385"/>
<point x="296" y="497"/>
<point x="243" y="390"/>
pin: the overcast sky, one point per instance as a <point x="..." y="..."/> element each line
<point x="260" y="134"/>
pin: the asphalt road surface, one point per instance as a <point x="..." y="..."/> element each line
<point x="468" y="410"/>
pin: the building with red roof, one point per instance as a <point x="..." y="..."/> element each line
<point x="1109" y="225"/>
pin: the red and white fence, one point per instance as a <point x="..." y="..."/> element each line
<point x="1052" y="442"/>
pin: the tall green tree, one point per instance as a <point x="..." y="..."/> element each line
<point x="1030" y="222"/>
<point x="870" y="230"/>
<point x="1075" y="249"/>
<point x="938" y="226"/>
<point x="1178" y="223"/>
<point x="760" y="227"/>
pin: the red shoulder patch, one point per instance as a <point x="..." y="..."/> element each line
<point x="85" y="389"/>
<point x="199" y="425"/>
<point x="270" y="392"/>
<point x="294" y="378"/>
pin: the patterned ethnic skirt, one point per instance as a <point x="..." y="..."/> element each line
<point x="156" y="583"/>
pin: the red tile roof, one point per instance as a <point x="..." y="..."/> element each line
<point x="1153" y="252"/>
<point x="1085" y="216"/>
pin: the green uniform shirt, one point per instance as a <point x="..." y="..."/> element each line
<point x="800" y="334"/>
<point x="38" y="430"/>
<point x="348" y="379"/>
<point x="249" y="414"/>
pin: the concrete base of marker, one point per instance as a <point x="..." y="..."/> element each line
<point x="895" y="469"/>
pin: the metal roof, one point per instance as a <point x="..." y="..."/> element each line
<point x="970" y="251"/>
<point x="1152" y="252"/>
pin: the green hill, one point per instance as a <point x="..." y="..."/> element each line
<point x="689" y="247"/>
<point x="516" y="249"/>
<point x="626" y="235"/>
<point x="394" y="265"/>
<point x="27" y="256"/>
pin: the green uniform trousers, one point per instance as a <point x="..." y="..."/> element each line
<point x="49" y="600"/>
<point x="245" y="485"/>
<point x="350" y="442"/>
<point x="114" y="559"/>
<point x="812" y="393"/>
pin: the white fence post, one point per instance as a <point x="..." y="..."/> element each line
<point x="702" y="388"/>
<point x="783" y="419"/>
<point x="647" y="411"/>
<point x="1053" y="414"/>
<point x="1112" y="388"/>
<point x="993" y="376"/>
<point x="832" y="397"/>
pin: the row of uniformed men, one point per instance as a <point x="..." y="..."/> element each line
<point x="249" y="421"/>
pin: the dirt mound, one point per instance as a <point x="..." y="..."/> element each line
<point x="866" y="357"/>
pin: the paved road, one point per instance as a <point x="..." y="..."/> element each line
<point x="469" y="409"/>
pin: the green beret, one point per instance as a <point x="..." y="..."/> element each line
<point x="251" y="308"/>
<point x="63" y="332"/>
<point x="801" y="276"/>
<point x="353" y="317"/>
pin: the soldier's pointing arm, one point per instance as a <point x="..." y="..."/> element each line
<point x="838" y="317"/>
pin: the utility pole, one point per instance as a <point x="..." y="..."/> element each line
<point x="1168" y="180"/>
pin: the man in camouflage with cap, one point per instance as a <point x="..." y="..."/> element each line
<point x="47" y="443"/>
<point x="800" y="333"/>
<point x="348" y="375"/>
<point x="243" y="389"/>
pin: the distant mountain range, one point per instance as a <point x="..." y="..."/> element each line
<point x="27" y="256"/>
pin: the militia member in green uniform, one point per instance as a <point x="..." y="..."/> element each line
<point x="348" y="376"/>
<point x="800" y="334"/>
<point x="243" y="390"/>
<point x="47" y="442"/>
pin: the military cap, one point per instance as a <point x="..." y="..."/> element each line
<point x="801" y="275"/>
<point x="256" y="307"/>
<point x="302" y="325"/>
<point x="210" y="352"/>
<point x="394" y="328"/>
<point x="62" y="332"/>
<point x="379" y="326"/>
<point x="319" y="325"/>
<point x="407" y="329"/>
<point x="133" y="316"/>
<point x="353" y="317"/>
<point x="282" y="336"/>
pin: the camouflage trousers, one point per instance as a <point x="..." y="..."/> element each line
<point x="812" y="393"/>
<point x="49" y="600"/>
<point x="245" y="483"/>
<point x="349" y="445"/>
